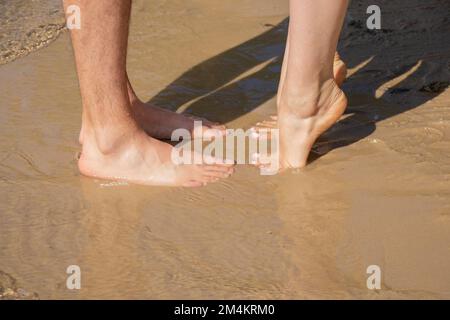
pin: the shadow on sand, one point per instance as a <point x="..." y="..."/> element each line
<point x="399" y="60"/>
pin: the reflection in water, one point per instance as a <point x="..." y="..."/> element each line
<point x="177" y="244"/>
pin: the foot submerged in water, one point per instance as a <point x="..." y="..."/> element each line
<point x="301" y="125"/>
<point x="137" y="158"/>
<point x="302" y="121"/>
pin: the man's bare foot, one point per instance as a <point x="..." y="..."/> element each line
<point x="340" y="75"/>
<point x="303" y="119"/>
<point x="135" y="157"/>
<point x="160" y="123"/>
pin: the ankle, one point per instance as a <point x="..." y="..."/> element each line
<point x="108" y="139"/>
<point x="307" y="100"/>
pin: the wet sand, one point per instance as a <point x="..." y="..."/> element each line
<point x="375" y="193"/>
<point x="28" y="25"/>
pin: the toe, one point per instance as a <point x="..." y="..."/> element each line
<point x="216" y="162"/>
<point x="260" y="132"/>
<point x="217" y="174"/>
<point x="210" y="179"/>
<point x="267" y="124"/>
<point x="223" y="169"/>
<point x="208" y="132"/>
<point x="193" y="184"/>
<point x="212" y="132"/>
<point x="217" y="126"/>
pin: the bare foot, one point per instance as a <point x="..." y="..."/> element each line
<point x="135" y="157"/>
<point x="302" y="120"/>
<point x="339" y="70"/>
<point x="159" y="123"/>
<point x="340" y="75"/>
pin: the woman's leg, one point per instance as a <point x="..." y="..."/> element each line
<point x="310" y="101"/>
<point x="339" y="69"/>
<point x="339" y="72"/>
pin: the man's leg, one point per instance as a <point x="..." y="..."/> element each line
<point x="310" y="100"/>
<point x="114" y="145"/>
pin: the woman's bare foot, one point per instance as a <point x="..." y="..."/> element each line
<point x="303" y="119"/>
<point x="340" y="75"/>
<point x="135" y="157"/>
<point x="339" y="70"/>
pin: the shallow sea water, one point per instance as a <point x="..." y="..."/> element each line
<point x="375" y="193"/>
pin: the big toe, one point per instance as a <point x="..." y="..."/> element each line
<point x="209" y="132"/>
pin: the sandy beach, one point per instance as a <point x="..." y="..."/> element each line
<point x="376" y="192"/>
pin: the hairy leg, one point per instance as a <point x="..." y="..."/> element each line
<point x="114" y="145"/>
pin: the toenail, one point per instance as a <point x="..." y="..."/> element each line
<point x="254" y="134"/>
